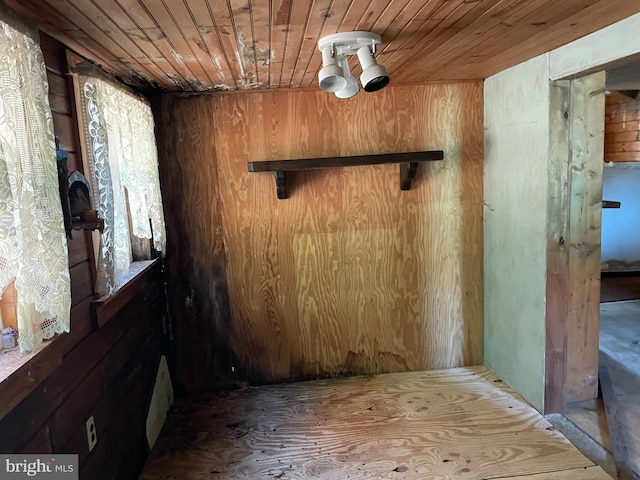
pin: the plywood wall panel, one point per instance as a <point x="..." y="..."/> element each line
<point x="196" y="266"/>
<point x="349" y="274"/>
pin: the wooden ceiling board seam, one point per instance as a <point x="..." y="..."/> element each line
<point x="223" y="21"/>
<point x="187" y="34"/>
<point x="43" y="18"/>
<point x="85" y="24"/>
<point x="524" y="32"/>
<point x="243" y="36"/>
<point x="353" y="14"/>
<point x="303" y="34"/>
<point x="193" y="32"/>
<point x="211" y="37"/>
<point x="103" y="21"/>
<point x="530" y="35"/>
<point x="169" y="35"/>
<point x="171" y="72"/>
<point x="334" y="22"/>
<point x="279" y="36"/>
<point x="485" y="20"/>
<point x="295" y="33"/>
<point x="406" y="24"/>
<point x="409" y="12"/>
<point x="587" y="20"/>
<point x="128" y="26"/>
<point x="441" y="23"/>
<point x="317" y="18"/>
<point x="261" y="19"/>
<point x="484" y="27"/>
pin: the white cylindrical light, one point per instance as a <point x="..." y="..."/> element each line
<point x="374" y="76"/>
<point x="352" y="83"/>
<point x="331" y="77"/>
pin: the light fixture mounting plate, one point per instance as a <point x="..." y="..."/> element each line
<point x="348" y="43"/>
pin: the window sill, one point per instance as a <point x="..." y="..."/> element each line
<point x="105" y="308"/>
<point x="20" y="373"/>
<point x="12" y="360"/>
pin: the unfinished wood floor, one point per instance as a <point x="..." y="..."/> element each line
<point x="462" y="423"/>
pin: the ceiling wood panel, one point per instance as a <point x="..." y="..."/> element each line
<point x="200" y="45"/>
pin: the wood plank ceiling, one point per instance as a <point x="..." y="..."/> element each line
<point x="198" y="45"/>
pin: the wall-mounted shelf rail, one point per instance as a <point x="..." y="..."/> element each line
<point x="408" y="166"/>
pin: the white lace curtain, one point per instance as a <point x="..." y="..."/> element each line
<point x="123" y="159"/>
<point x="33" y="245"/>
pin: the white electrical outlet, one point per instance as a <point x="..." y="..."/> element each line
<point x="92" y="434"/>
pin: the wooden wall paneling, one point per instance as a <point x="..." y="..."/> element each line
<point x="587" y="132"/>
<point x="81" y="282"/>
<point x="21" y="383"/>
<point x="260" y="310"/>
<point x="81" y="327"/>
<point x="323" y="283"/>
<point x="133" y="381"/>
<point x="195" y="263"/>
<point x="35" y="409"/>
<point x="622" y="128"/>
<point x="128" y="422"/>
<point x="79" y="404"/>
<point x="78" y="248"/>
<point x="63" y="127"/>
<point x="40" y="443"/>
<point x="558" y="231"/>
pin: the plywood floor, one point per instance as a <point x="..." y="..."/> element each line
<point x="461" y="423"/>
<point x="620" y="353"/>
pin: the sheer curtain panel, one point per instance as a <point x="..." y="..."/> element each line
<point x="123" y="161"/>
<point x="33" y="245"/>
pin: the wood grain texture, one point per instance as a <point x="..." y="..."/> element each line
<point x="460" y="423"/>
<point x="585" y="203"/>
<point x="195" y="266"/>
<point x="622" y="129"/>
<point x="193" y="45"/>
<point x="350" y="274"/>
<point x="558" y="214"/>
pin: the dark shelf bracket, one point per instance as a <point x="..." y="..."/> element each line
<point x="408" y="162"/>
<point x="408" y="172"/>
<point x="281" y="184"/>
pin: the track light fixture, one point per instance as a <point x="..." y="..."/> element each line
<point x="335" y="75"/>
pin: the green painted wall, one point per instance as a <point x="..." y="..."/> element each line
<point x="516" y="116"/>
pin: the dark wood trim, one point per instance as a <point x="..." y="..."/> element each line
<point x="408" y="166"/>
<point x="337" y="162"/>
<point x="107" y="307"/>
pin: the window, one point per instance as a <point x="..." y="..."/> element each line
<point x="120" y="149"/>
<point x="33" y="247"/>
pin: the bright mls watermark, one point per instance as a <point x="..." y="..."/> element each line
<point x="51" y="467"/>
